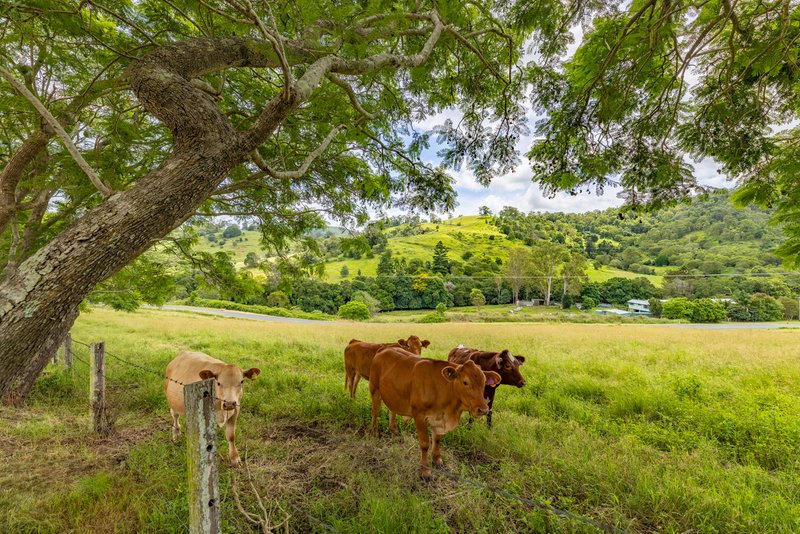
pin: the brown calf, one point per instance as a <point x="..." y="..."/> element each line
<point x="432" y="392"/>
<point x="358" y="357"/>
<point x="503" y="363"/>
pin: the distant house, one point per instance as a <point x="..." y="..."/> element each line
<point x="641" y="307"/>
<point x="532" y="302"/>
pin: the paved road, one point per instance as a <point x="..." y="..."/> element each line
<point x="272" y="318"/>
<point x="243" y="315"/>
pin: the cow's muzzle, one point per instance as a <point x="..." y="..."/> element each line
<point x="521" y="384"/>
<point x="228" y="406"/>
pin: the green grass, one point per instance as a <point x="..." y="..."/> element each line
<point x="251" y="242"/>
<point x="649" y="429"/>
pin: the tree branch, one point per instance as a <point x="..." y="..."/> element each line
<point x="105" y="190"/>
<point x="352" y="95"/>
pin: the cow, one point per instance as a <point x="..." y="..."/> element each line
<point x="504" y="363"/>
<point x="432" y="392"/>
<point x="358" y="357"/>
<point x="189" y="367"/>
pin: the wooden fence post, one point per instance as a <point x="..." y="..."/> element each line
<point x="201" y="456"/>
<point x="97" y="388"/>
<point x="68" y="351"/>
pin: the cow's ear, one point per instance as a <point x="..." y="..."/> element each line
<point x="252" y="373"/>
<point x="492" y="378"/>
<point x="402" y="343"/>
<point x="520" y="359"/>
<point x="205" y="374"/>
<point x="450" y="373"/>
<point x="425" y="343"/>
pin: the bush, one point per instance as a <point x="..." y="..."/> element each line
<point x="432" y="318"/>
<point x="231" y="231"/>
<point x="344" y="272"/>
<point x="680" y="308"/>
<point x="278" y="299"/>
<point x="656" y="307"/>
<point x="588" y="303"/>
<point x="441" y="308"/>
<point x="707" y="311"/>
<point x="372" y="304"/>
<point x="765" y="308"/>
<point x="354" y="310"/>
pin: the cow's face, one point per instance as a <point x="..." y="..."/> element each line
<point x="414" y="344"/>
<point x="229" y="383"/>
<point x="507" y="366"/>
<point x="468" y="382"/>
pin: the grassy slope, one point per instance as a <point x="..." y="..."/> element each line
<point x="647" y="428"/>
<point x="473" y="234"/>
<point x="238" y="250"/>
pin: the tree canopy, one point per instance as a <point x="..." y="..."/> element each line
<point x="653" y="81"/>
<point x="122" y="121"/>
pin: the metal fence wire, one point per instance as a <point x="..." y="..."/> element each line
<point x="455" y="477"/>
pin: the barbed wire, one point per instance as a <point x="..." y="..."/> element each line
<point x="141" y="367"/>
<point x="559" y="277"/>
<point x="452" y="476"/>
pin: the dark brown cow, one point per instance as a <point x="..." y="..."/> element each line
<point x="503" y="363"/>
<point x="432" y="392"/>
<point x="358" y="357"/>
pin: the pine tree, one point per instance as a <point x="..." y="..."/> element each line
<point x="441" y="264"/>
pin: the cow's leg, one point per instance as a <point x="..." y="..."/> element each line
<point x="176" y="426"/>
<point x="488" y="394"/>
<point x="376" y="409"/>
<point x="424" y="443"/>
<point x="230" y="435"/>
<point x="348" y="381"/>
<point x="392" y="422"/>
<point x="354" y="384"/>
<point x="437" y="454"/>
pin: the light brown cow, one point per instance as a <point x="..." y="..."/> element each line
<point x="432" y="392"/>
<point x="358" y="357"/>
<point x="189" y="367"/>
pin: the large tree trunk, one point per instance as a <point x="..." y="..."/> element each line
<point x="39" y="300"/>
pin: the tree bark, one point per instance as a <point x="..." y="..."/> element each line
<point x="39" y="300"/>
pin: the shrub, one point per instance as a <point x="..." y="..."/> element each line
<point x="344" y="272"/>
<point x="432" y="318"/>
<point x="231" y="231"/>
<point x="707" y="311"/>
<point x="680" y="308"/>
<point x="588" y="303"/>
<point x="354" y="310"/>
<point x="372" y="304"/>
<point x="656" y="307"/>
<point x="278" y="299"/>
<point x="765" y="308"/>
<point x="477" y="298"/>
<point x="441" y="308"/>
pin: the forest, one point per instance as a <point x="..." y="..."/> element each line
<point x="705" y="249"/>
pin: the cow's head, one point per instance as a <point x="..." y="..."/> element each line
<point x="508" y="366"/>
<point x="229" y="382"/>
<point x="468" y="382"/>
<point x="414" y="344"/>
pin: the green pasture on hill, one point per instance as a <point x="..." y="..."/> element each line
<point x="645" y="428"/>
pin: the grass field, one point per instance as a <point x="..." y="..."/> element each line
<point x="645" y="428"/>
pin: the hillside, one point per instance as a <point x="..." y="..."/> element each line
<point x="707" y="236"/>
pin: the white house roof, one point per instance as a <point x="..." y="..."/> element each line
<point x="635" y="301"/>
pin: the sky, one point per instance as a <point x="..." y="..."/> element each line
<point x="517" y="189"/>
